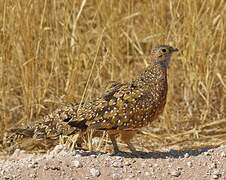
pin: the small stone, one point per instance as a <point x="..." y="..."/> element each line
<point x="7" y="178"/>
<point x="33" y="164"/>
<point x="95" y="172"/>
<point x="118" y="158"/>
<point x="175" y="173"/>
<point x="213" y="165"/>
<point x="77" y="164"/>
<point x="93" y="155"/>
<point x="147" y="173"/>
<point x="116" y="176"/>
<point x="222" y="146"/>
<point x="117" y="164"/>
<point x="2" y="172"/>
<point x="46" y="167"/>
<point x="32" y="176"/>
<point x="57" y="168"/>
<point x="211" y="150"/>
<point x="179" y="168"/>
<point x="189" y="164"/>
<point x="214" y="176"/>
<point x="206" y="153"/>
<point x="208" y="173"/>
<point x="78" y="155"/>
<point x="223" y="154"/>
<point x="127" y="163"/>
<point x="186" y="155"/>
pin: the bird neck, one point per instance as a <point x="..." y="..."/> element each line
<point x="156" y="72"/>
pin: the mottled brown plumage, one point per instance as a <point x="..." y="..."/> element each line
<point x="122" y="109"/>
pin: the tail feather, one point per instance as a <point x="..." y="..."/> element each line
<point x="62" y="121"/>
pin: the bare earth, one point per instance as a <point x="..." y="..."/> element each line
<point x="61" y="164"/>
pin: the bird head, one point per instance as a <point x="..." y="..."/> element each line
<point x="162" y="54"/>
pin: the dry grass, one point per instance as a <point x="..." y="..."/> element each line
<point x="57" y="51"/>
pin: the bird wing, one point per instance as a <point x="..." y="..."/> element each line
<point x="111" y="110"/>
<point x="87" y="112"/>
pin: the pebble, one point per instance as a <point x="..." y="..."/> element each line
<point x="211" y="150"/>
<point x="95" y="172"/>
<point x="212" y="166"/>
<point x="127" y="163"/>
<point x="78" y="155"/>
<point x="33" y="164"/>
<point x="116" y="176"/>
<point x="77" y="164"/>
<point x="189" y="164"/>
<point x="32" y="176"/>
<point x="57" y="168"/>
<point x="223" y="154"/>
<point x="93" y="155"/>
<point x="175" y="173"/>
<point x="118" y="158"/>
<point x="206" y="153"/>
<point x="147" y="173"/>
<point x="2" y="172"/>
<point x="46" y="167"/>
<point x="186" y="155"/>
<point x="117" y="164"/>
<point x="216" y="174"/>
<point x="7" y="178"/>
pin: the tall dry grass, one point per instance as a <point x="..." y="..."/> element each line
<point x="58" y="51"/>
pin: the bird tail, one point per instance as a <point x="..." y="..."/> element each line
<point x="48" y="129"/>
<point x="13" y="138"/>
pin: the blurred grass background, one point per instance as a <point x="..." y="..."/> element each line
<point x="55" y="51"/>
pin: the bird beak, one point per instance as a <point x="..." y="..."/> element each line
<point x="175" y="49"/>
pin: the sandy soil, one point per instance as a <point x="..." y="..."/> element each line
<point x="61" y="164"/>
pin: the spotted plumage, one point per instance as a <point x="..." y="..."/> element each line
<point x="122" y="109"/>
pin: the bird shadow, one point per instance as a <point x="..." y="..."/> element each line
<point x="162" y="154"/>
<point x="154" y="154"/>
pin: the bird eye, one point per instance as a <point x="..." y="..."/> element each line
<point x="164" y="50"/>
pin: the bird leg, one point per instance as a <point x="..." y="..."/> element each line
<point x="114" y="142"/>
<point x="126" y="136"/>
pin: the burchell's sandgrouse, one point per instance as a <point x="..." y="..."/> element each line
<point x="122" y="109"/>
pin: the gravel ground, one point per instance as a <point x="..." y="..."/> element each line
<point x="61" y="164"/>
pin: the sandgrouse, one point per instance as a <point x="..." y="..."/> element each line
<point x="121" y="110"/>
